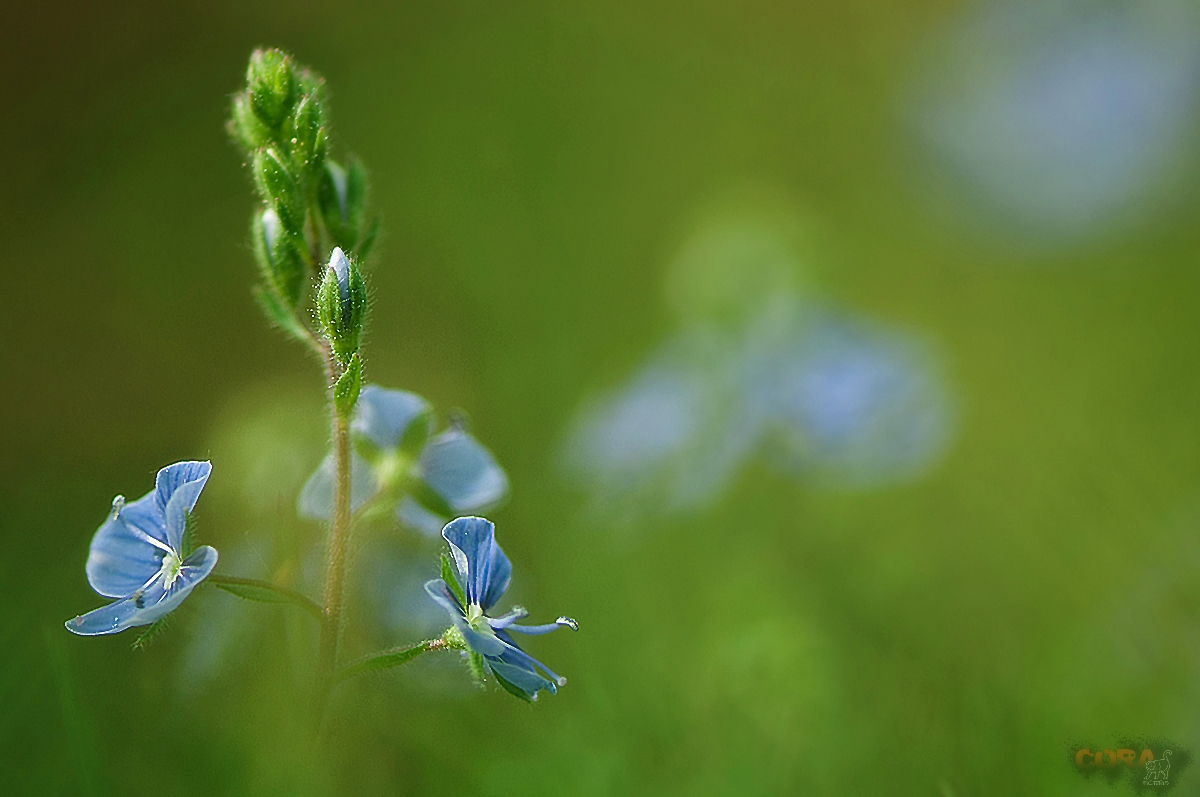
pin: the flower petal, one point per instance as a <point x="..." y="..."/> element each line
<point x="484" y="568"/>
<point x="533" y="630"/>
<point x="182" y="475"/>
<point x="513" y="655"/>
<point x="315" y="501"/>
<point x="121" y="559"/>
<point x="144" y="606"/>
<point x="523" y="678"/>
<point x="462" y="472"/>
<point x="486" y="645"/>
<point x="410" y="513"/>
<point x="383" y="416"/>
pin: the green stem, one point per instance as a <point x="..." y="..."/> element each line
<point x="335" y="575"/>
<point x="390" y="658"/>
<point x="265" y="592"/>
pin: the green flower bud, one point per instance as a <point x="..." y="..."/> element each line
<point x="279" y="190"/>
<point x="271" y="86"/>
<point x="278" y="260"/>
<point x="244" y="127"/>
<point x="342" y="305"/>
<point x="307" y="136"/>
<point x="342" y="195"/>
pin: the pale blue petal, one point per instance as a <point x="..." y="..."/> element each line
<point x="120" y="559"/>
<point x="514" y="614"/>
<point x="480" y="643"/>
<point x="473" y="545"/>
<point x="173" y="477"/>
<point x="414" y="516"/>
<point x="515" y="656"/>
<point x="527" y="680"/>
<point x="499" y="574"/>
<point x="532" y="630"/>
<point x="315" y="501"/>
<point x="145" y="606"/>
<point x="383" y="416"/>
<point x="462" y="472"/>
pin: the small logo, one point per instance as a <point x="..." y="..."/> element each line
<point x="1158" y="770"/>
<point x="1146" y="766"/>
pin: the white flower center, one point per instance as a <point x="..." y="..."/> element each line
<point x="170" y="569"/>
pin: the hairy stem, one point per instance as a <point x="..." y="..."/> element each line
<point x="390" y="658"/>
<point x="339" y="535"/>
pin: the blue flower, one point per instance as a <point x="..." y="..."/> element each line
<point x="454" y="474"/>
<point x="138" y="554"/>
<point x="485" y="571"/>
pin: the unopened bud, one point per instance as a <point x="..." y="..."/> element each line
<point x="342" y="305"/>
<point x="278" y="260"/>
<point x="270" y="86"/>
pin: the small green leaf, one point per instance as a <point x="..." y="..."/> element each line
<point x="265" y="592"/>
<point x="345" y="392"/>
<point x="450" y="576"/>
<point x="389" y="658"/>
<point x="279" y="315"/>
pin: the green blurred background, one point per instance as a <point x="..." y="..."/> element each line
<point x="536" y="166"/>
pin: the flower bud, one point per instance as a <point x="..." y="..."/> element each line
<point x="279" y="190"/>
<point x="307" y="136"/>
<point x="342" y="305"/>
<point x="341" y="195"/>
<point x="278" y="260"/>
<point x="270" y="87"/>
<point x="245" y="128"/>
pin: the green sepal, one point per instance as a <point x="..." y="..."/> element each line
<point x="152" y="632"/>
<point x="190" y="535"/>
<point x="279" y="189"/>
<point x="270" y="86"/>
<point x="278" y="260"/>
<point x="244" y="127"/>
<point x="450" y="576"/>
<point x="510" y="688"/>
<point x="342" y="197"/>
<point x="346" y="389"/>
<point x="278" y="314"/>
<point x="476" y="667"/>
<point x="342" y="324"/>
<point x="367" y="244"/>
<point x="305" y="130"/>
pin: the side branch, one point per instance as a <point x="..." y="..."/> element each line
<point x="265" y="592"/>
<point x="390" y="658"/>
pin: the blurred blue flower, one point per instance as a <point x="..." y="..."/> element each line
<point x="485" y="571"/>
<point x="1063" y="120"/>
<point x="139" y="554"/>
<point x="395" y="459"/>
<point x="826" y="396"/>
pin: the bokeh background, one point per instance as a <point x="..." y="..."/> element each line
<point x="999" y="200"/>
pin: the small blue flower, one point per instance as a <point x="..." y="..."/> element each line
<point x="388" y="425"/>
<point x="138" y="554"/>
<point x="485" y="571"/>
